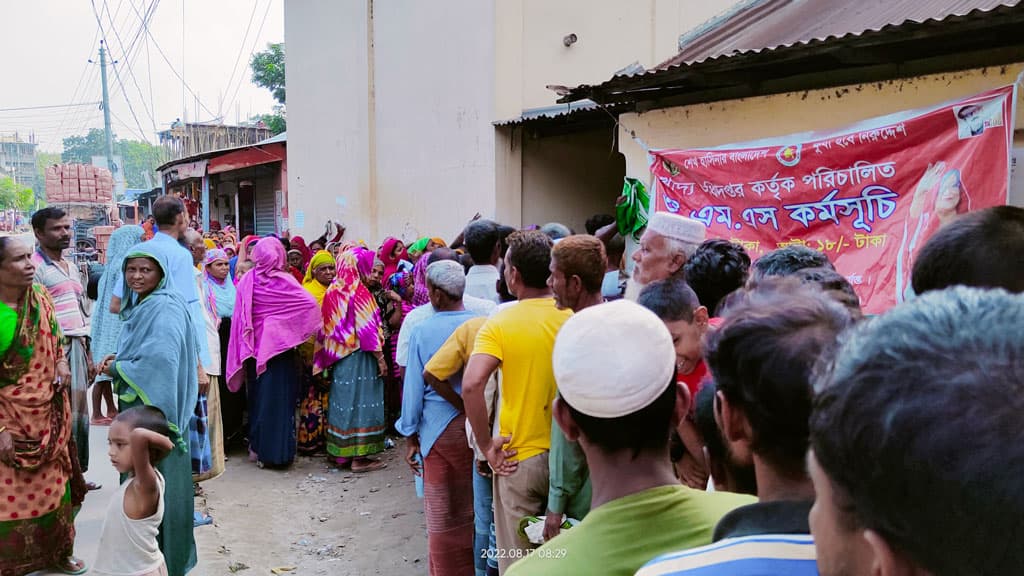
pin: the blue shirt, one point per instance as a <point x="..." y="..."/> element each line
<point x="424" y="411"/>
<point x="181" y="278"/>
<point x="767" y="554"/>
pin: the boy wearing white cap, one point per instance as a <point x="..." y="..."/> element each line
<point x="619" y="399"/>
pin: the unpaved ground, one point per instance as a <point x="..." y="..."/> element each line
<point x="313" y="518"/>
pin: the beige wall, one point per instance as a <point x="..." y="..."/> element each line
<point x="570" y="178"/>
<point x="328" y="148"/>
<point x="611" y="35"/>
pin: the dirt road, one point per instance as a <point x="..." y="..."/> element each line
<point x="310" y="518"/>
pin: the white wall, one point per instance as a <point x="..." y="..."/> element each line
<point x="328" y="150"/>
<point x="434" y="65"/>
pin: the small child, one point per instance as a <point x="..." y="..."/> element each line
<point x="138" y="439"/>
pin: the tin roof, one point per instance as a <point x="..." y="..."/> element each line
<point x="747" y="50"/>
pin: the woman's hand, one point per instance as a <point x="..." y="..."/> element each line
<point x="63" y="379"/>
<point x="394" y="297"/>
<point x="7" y="449"/>
<point x="105" y="364"/>
<point x="382" y="366"/>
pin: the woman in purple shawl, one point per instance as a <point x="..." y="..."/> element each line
<point x="273" y="315"/>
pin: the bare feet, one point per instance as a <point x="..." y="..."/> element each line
<point x="367" y="465"/>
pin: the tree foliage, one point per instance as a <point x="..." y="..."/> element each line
<point x="139" y="158"/>
<point x="15" y="195"/>
<point x="268" y="70"/>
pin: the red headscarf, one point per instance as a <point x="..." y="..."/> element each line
<point x="298" y="243"/>
<point x="385" y="254"/>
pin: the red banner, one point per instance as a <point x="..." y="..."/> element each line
<point x="869" y="196"/>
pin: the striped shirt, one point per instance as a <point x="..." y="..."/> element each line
<point x="65" y="290"/>
<point x="767" y="554"/>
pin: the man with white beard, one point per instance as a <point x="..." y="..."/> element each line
<point x="666" y="244"/>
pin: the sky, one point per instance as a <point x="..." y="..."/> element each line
<point x="45" y="46"/>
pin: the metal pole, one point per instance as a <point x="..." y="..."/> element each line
<point x="106" y="110"/>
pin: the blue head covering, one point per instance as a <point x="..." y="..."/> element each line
<point x="106" y="327"/>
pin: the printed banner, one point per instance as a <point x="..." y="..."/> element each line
<point x="869" y="196"/>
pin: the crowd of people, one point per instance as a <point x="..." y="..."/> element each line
<point x="706" y="413"/>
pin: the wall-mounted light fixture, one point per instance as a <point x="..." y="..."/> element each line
<point x="569" y="40"/>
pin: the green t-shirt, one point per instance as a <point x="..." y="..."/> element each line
<point x="8" y="326"/>
<point x="623" y="535"/>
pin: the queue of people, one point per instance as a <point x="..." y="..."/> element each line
<point x="708" y="413"/>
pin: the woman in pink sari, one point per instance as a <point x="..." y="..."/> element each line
<point x="273" y="315"/>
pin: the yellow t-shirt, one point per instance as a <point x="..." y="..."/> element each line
<point x="522" y="338"/>
<point x="453" y="355"/>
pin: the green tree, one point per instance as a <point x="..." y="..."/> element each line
<point x="139" y="158"/>
<point x="15" y="195"/>
<point x="268" y="70"/>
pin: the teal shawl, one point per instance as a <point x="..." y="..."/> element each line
<point x="158" y="354"/>
<point x="106" y="327"/>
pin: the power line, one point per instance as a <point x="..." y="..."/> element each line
<point x="255" y="41"/>
<point x="241" y="48"/>
<point x="49" y="106"/>
<point x="126" y="58"/>
<point x="173" y="69"/>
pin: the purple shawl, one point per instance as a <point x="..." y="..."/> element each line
<point x="272" y="313"/>
<point x="421" y="295"/>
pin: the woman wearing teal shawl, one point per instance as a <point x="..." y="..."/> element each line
<point x="155" y="365"/>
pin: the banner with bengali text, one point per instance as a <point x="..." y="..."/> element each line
<point x="869" y="195"/>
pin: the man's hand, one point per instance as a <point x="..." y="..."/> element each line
<point x="412" y="449"/>
<point x="204" y="382"/>
<point x="552" y="525"/>
<point x="498" y="457"/>
<point x="7" y="449"/>
<point x="692" y="473"/>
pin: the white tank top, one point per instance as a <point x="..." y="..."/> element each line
<point x="129" y="547"/>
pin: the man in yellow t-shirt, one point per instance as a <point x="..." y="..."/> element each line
<point x="520" y="340"/>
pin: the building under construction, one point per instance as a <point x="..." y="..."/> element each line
<point x="18" y="158"/>
<point x="184" y="140"/>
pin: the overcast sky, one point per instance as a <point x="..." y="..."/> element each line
<point x="45" y="46"/>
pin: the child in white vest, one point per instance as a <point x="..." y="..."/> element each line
<point x="138" y="439"/>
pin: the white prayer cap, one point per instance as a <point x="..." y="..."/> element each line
<point x="613" y="359"/>
<point x="677" y="227"/>
<point x="449" y="276"/>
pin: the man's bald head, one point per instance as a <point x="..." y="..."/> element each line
<point x="194" y="242"/>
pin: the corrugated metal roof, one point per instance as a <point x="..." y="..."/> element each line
<point x="769" y="24"/>
<point x="766" y="40"/>
<point x="548" y="112"/>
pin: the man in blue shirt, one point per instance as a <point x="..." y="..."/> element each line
<point x="434" y="421"/>
<point x="761" y="359"/>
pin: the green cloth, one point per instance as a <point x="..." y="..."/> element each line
<point x="569" y="477"/>
<point x="619" y="537"/>
<point x="419" y="246"/>
<point x="631" y="212"/>
<point x="8" y="326"/>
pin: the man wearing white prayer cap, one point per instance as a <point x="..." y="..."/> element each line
<point x="666" y="245"/>
<point x="618" y="398"/>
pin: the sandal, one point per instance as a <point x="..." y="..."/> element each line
<point x="72" y="566"/>
<point x="90" y="486"/>
<point x="371" y="466"/>
<point x="200" y="519"/>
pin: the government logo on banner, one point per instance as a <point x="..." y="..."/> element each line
<point x="869" y="196"/>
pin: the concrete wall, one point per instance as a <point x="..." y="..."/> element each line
<point x="328" y="111"/>
<point x="733" y="121"/>
<point x="571" y="177"/>
<point x="611" y="34"/>
<point x="434" y="71"/>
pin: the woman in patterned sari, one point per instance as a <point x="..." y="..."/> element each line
<point x="36" y="468"/>
<point x="314" y="399"/>
<point x="351" y="347"/>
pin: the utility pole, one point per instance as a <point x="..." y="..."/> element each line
<point x="106" y="110"/>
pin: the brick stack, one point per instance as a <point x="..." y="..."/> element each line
<point x="78" y="183"/>
<point x="102" y="235"/>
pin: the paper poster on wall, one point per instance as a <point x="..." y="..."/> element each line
<point x="300" y="219"/>
<point x="869" y="196"/>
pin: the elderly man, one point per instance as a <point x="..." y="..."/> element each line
<point x="665" y="246"/>
<point x="433" y="420"/>
<point x="63" y="280"/>
<point x="915" y="453"/>
<point x="619" y="399"/>
<point x="211" y="446"/>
